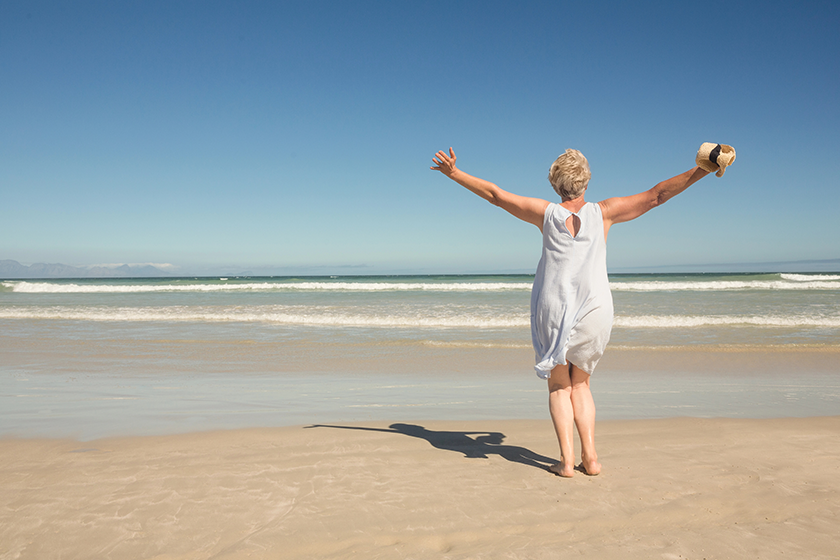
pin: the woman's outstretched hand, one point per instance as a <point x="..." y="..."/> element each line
<point x="444" y="163"/>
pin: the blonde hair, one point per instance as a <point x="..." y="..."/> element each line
<point x="569" y="174"/>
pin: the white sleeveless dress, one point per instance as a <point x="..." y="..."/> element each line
<point x="571" y="303"/>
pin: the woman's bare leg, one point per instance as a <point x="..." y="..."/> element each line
<point x="563" y="417"/>
<point x="583" y="406"/>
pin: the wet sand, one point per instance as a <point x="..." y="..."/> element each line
<point x="104" y="388"/>
<point x="686" y="487"/>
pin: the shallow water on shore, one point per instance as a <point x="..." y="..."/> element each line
<point x="110" y="357"/>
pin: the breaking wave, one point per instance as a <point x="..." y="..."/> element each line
<point x="281" y="315"/>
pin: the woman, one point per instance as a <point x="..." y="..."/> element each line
<point x="571" y="304"/>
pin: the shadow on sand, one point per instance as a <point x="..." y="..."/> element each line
<point x="479" y="447"/>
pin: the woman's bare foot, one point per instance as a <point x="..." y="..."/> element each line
<point x="590" y="466"/>
<point x="563" y="469"/>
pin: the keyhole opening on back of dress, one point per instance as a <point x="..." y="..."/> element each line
<point x="573" y="224"/>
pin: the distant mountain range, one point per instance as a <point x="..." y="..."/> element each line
<point x="12" y="269"/>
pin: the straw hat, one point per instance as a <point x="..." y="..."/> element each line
<point x="715" y="157"/>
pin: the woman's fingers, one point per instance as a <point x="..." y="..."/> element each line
<point x="442" y="160"/>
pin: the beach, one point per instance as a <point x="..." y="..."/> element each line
<point x="401" y="418"/>
<point x="676" y="488"/>
<point x="275" y="278"/>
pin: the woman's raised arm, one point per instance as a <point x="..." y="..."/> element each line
<point x="710" y="158"/>
<point x="531" y="210"/>
<point x="626" y="208"/>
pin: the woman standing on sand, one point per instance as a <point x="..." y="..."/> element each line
<point x="571" y="303"/>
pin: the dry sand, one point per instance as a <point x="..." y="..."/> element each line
<point x="679" y="488"/>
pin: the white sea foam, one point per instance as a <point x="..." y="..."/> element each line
<point x="257" y="314"/>
<point x="56" y="288"/>
<point x="420" y="319"/>
<point x="677" y="321"/>
<point x="723" y="285"/>
<point x="785" y="282"/>
<point x="809" y="277"/>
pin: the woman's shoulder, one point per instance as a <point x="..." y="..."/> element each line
<point x="594" y="207"/>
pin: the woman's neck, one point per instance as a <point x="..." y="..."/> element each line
<point x="573" y="204"/>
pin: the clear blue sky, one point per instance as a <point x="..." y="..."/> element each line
<point x="297" y="136"/>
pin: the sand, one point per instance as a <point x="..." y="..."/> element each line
<point x="676" y="488"/>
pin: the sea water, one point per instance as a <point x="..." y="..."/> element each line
<point x="239" y="351"/>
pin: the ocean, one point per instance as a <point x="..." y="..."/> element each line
<point x="300" y="345"/>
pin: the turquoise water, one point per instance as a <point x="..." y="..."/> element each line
<point x="752" y="309"/>
<point x="100" y="357"/>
